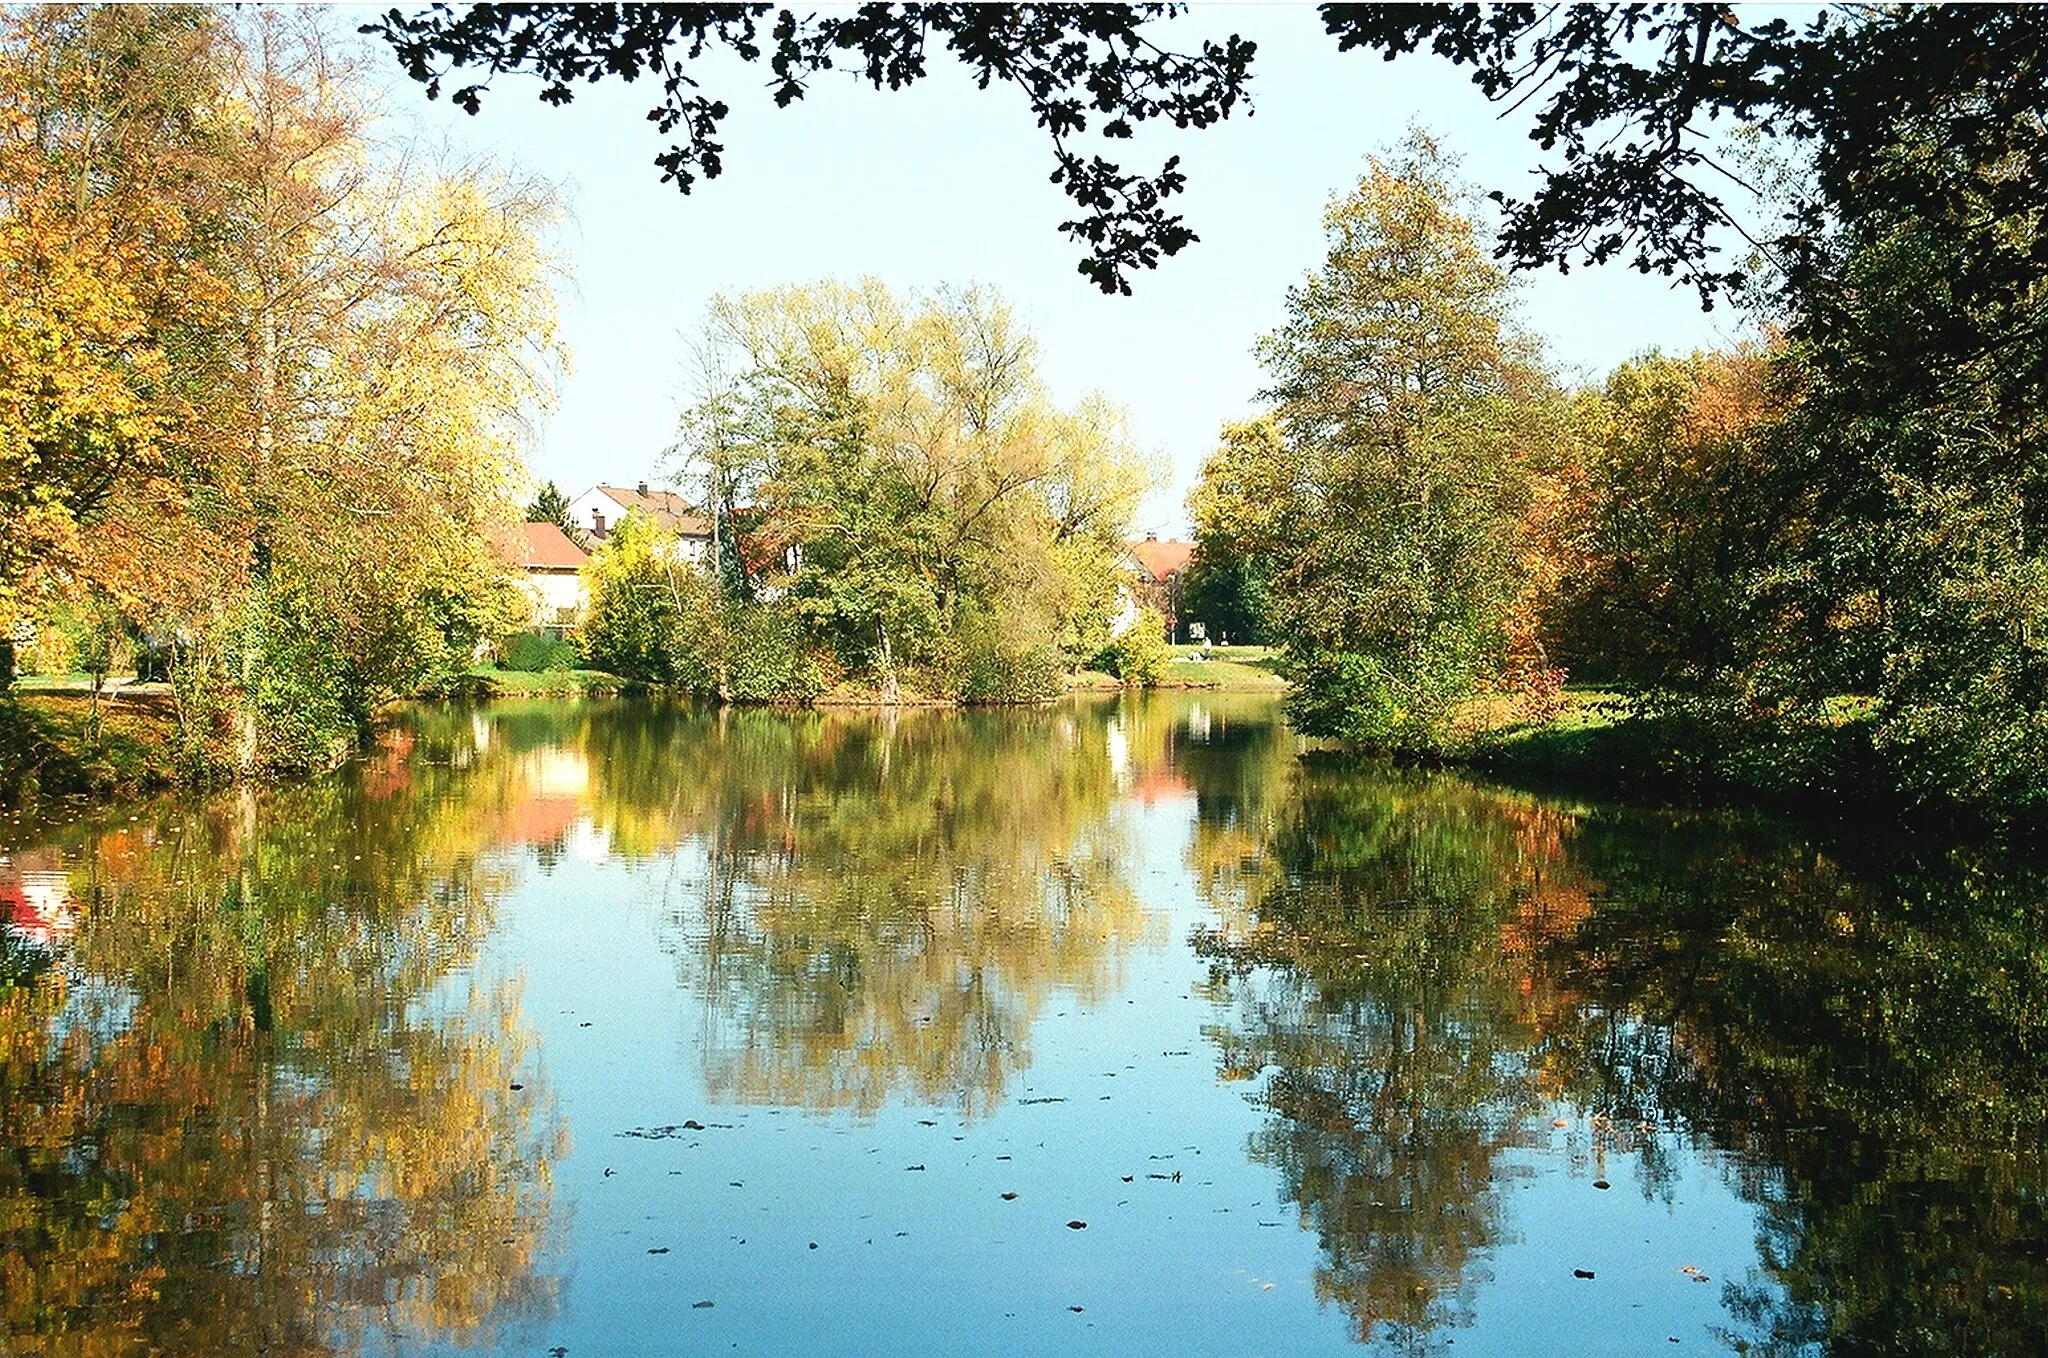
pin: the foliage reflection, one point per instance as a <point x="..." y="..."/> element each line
<point x="886" y="903"/>
<point x="1418" y="971"/>
<point x="248" y="1102"/>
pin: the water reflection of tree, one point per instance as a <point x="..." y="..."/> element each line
<point x="1415" y="965"/>
<point x="247" y="1111"/>
<point x="1367" y="956"/>
<point x="1869" y="1031"/>
<point x="883" y="904"/>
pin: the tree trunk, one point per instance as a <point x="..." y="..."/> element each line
<point x="891" y="694"/>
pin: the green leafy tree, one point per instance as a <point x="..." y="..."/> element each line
<point x="551" y="506"/>
<point x="1229" y="594"/>
<point x="915" y="496"/>
<point x="1398" y="489"/>
<point x="1229" y="583"/>
<point x="653" y="616"/>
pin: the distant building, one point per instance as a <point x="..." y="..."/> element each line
<point x="553" y="566"/>
<point x="1157" y="568"/>
<point x="597" y="511"/>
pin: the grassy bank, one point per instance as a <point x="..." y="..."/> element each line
<point x="1231" y="669"/>
<point x="1606" y="743"/>
<point x="52" y="744"/>
<point x="487" y="682"/>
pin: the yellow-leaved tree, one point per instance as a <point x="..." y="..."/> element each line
<point x="284" y="374"/>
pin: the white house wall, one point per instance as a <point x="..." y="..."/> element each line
<point x="584" y="509"/>
<point x="558" y="596"/>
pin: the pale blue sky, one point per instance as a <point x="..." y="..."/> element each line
<point x="945" y="184"/>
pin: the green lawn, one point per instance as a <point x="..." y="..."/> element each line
<point x="563" y="683"/>
<point x="1248" y="669"/>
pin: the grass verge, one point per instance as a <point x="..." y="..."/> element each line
<point x="1234" y="669"/>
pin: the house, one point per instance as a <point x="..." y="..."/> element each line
<point x="598" y="510"/>
<point x="553" y="566"/>
<point x="1157" y="567"/>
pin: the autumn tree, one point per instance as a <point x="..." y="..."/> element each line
<point x="282" y="367"/>
<point x="1675" y="451"/>
<point x="1400" y="492"/>
<point x="108" y="129"/>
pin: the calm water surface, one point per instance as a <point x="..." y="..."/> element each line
<point x="595" y="1029"/>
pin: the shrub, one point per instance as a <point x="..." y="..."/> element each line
<point x="767" y="660"/>
<point x="537" y="652"/>
<point x="1358" y="696"/>
<point x="991" y="667"/>
<point x="1139" y="656"/>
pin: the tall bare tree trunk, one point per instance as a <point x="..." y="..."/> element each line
<point x="891" y="693"/>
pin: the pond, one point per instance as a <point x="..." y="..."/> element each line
<point x="622" y="1028"/>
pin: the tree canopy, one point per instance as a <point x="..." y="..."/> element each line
<point x="1627" y="96"/>
<point x="274" y="370"/>
<point x="1079" y="65"/>
<point x="1399" y="492"/>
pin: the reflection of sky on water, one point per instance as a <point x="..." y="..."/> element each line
<point x="1319" y="1058"/>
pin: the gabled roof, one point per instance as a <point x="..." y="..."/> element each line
<point x="1159" y="559"/>
<point x="544" y="546"/>
<point x="665" y="507"/>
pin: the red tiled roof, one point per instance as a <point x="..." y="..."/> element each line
<point x="1160" y="559"/>
<point x="544" y="546"/>
<point x="667" y="508"/>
